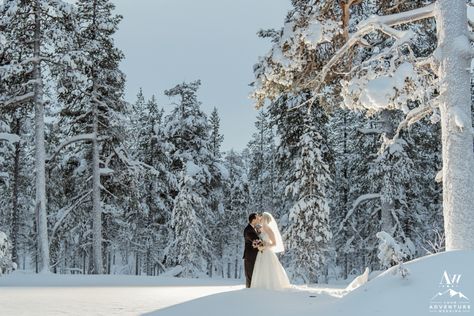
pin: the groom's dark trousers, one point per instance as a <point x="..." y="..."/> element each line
<point x="250" y="253"/>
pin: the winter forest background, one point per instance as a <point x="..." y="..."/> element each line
<point x="128" y="188"/>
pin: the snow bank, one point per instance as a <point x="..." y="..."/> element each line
<point x="386" y="295"/>
<point x="392" y="295"/>
<point x="358" y="281"/>
<point x="253" y="302"/>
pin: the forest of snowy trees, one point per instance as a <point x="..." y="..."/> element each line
<point x="347" y="144"/>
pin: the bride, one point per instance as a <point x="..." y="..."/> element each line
<point x="268" y="272"/>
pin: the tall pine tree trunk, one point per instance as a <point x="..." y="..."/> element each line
<point x="148" y="261"/>
<point x="15" y="220"/>
<point x="40" y="185"/>
<point x="455" y="108"/>
<point x="137" y="263"/>
<point x="387" y="205"/>
<point x="149" y="224"/>
<point x="96" y="207"/>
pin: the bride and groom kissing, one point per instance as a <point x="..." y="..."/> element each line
<point x="262" y="242"/>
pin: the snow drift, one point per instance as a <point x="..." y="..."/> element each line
<point x="387" y="294"/>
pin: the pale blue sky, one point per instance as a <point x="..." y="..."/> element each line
<point x="169" y="41"/>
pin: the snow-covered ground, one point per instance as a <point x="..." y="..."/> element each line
<point x="26" y="294"/>
<point x="387" y="294"/>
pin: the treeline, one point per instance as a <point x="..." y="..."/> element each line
<point x="92" y="184"/>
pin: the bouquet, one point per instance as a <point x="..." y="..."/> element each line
<point x="258" y="243"/>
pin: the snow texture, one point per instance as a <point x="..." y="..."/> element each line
<point x="28" y="294"/>
<point x="11" y="138"/>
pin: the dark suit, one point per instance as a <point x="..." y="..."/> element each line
<point x="250" y="253"/>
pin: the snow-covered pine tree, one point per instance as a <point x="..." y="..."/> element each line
<point x="6" y="149"/>
<point x="92" y="93"/>
<point x="423" y="223"/>
<point x="263" y="179"/>
<point x="15" y="181"/>
<point x="9" y="147"/>
<point x="373" y="175"/>
<point x="6" y="263"/>
<point x="397" y="202"/>
<point x="413" y="78"/>
<point x="308" y="233"/>
<point x="390" y="188"/>
<point x="69" y="202"/>
<point x="352" y="139"/>
<point x="353" y="149"/>
<point x="218" y="174"/>
<point x="132" y="245"/>
<point x="288" y="124"/>
<point x="378" y="184"/>
<point x="191" y="247"/>
<point x="216" y="137"/>
<point x="31" y="31"/>
<point x="151" y="217"/>
<point x="285" y="111"/>
<point x="138" y="112"/>
<point x="236" y="201"/>
<point x="187" y="130"/>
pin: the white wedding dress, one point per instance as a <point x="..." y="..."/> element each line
<point x="268" y="273"/>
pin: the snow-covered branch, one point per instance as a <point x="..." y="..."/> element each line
<point x="65" y="212"/>
<point x="16" y="100"/>
<point x="368" y="131"/>
<point x="11" y="138"/>
<point x="133" y="163"/>
<point x="78" y="138"/>
<point x="34" y="60"/>
<point x="414" y="116"/>
<point x="380" y="23"/>
<point x="364" y="198"/>
<point x="402" y="17"/>
<point x="361" y="199"/>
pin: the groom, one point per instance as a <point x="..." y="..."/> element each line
<point x="250" y="252"/>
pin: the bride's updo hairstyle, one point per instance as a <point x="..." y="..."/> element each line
<point x="267" y="217"/>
